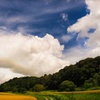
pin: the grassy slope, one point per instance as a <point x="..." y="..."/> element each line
<point x="81" y="95"/>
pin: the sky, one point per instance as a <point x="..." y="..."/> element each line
<point x="40" y="37"/>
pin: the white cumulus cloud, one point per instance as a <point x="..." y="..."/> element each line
<point x="31" y="55"/>
<point x="83" y="25"/>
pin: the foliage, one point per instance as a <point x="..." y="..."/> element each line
<point x="90" y="83"/>
<point x="38" y="88"/>
<point x="19" y="84"/>
<point x="67" y="86"/>
<point x="93" y="82"/>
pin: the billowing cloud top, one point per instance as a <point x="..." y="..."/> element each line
<point x="30" y="55"/>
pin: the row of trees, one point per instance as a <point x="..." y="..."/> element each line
<point x="83" y="74"/>
<point x="22" y="87"/>
<point x="64" y="86"/>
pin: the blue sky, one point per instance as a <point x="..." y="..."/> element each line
<point x="39" y="17"/>
<point x="40" y="37"/>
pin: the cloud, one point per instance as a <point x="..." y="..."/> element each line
<point x="76" y="54"/>
<point x="31" y="55"/>
<point x="9" y="75"/>
<point x="65" y="38"/>
<point x="64" y="16"/>
<point x="89" y="21"/>
<point x="82" y="26"/>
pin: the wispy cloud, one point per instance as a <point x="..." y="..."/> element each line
<point x="64" y="16"/>
<point x="66" y="38"/>
<point x="18" y="13"/>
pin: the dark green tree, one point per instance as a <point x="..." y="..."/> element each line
<point x="97" y="78"/>
<point x="67" y="86"/>
<point x="90" y="83"/>
<point x="38" y="88"/>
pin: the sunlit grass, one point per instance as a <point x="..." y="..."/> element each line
<point x="77" y="95"/>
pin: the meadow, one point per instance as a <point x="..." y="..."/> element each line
<point x="78" y="95"/>
<point x="49" y="95"/>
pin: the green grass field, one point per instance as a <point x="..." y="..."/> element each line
<point x="81" y="95"/>
<point x="49" y="95"/>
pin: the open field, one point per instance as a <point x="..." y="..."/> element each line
<point x="78" y="95"/>
<point x="10" y="96"/>
<point x="49" y="95"/>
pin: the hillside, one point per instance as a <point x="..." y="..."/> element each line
<point x="85" y="73"/>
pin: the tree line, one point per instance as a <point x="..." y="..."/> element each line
<point x="81" y="76"/>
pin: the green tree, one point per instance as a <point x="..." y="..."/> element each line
<point x="97" y="78"/>
<point x="14" y="90"/>
<point x="67" y="86"/>
<point x="38" y="88"/>
<point x="90" y="83"/>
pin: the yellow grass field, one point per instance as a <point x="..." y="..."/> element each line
<point x="10" y="96"/>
